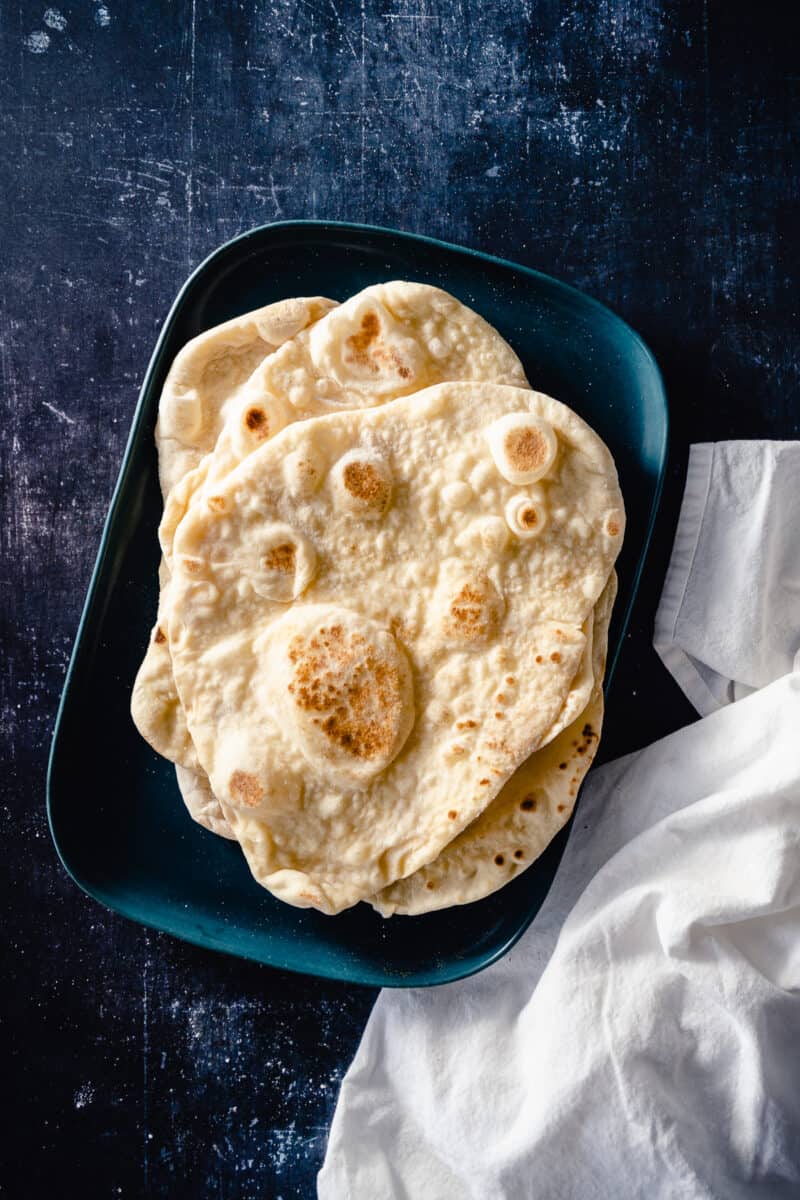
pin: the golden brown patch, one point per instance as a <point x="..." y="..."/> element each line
<point x="192" y="565"/>
<point x="159" y="636"/>
<point x="281" y="558"/>
<point x="561" y="807"/>
<point x="357" y="693"/>
<point x="484" y="782"/>
<point x="539" y="658"/>
<point x="360" y="342"/>
<point x="528" y="517"/>
<point x="366" y="350"/>
<point x="612" y="525"/>
<point x="430" y="885"/>
<point x="474" y="612"/>
<point x="245" y="789"/>
<point x="498" y="716"/>
<point x="510" y="680"/>
<point x="257" y="422"/>
<point x="527" y="449"/>
<point x="217" y="503"/>
<point x="452" y="814"/>
<point x="365" y="483"/>
<point x="466" y="724"/>
<point x="555" y="657"/>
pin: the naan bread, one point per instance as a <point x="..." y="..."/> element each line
<point x="201" y="802"/>
<point x="387" y="341"/>
<point x="204" y="381"/>
<point x="208" y="373"/>
<point x="155" y="707"/>
<point x="207" y="811"/>
<point x="523" y="818"/>
<point x="391" y="339"/>
<point x="401" y="630"/>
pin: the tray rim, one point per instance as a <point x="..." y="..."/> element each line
<point x="207" y="941"/>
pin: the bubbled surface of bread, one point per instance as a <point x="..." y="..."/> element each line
<point x="222" y="401"/>
<point x="208" y="373"/>
<point x="202" y="385"/>
<point x="530" y="809"/>
<point x="469" y="604"/>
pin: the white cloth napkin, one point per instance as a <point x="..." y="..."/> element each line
<point x="729" y="618"/>
<point x="643" y="1038"/>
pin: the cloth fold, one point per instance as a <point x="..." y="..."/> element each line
<point x="729" y="618"/>
<point x="642" y="1038"/>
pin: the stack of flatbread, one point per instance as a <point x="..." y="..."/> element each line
<point x="385" y="589"/>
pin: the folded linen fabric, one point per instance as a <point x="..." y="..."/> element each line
<point x="729" y="618"/>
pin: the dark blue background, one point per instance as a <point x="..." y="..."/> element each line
<point x="643" y="151"/>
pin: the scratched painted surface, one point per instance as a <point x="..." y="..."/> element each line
<point x="641" y="150"/>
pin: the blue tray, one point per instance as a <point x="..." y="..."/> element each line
<point x="115" y="812"/>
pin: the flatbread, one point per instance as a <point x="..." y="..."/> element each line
<point x="155" y="707"/>
<point x="402" y="629"/>
<point x="208" y="372"/>
<point x="523" y="818"/>
<point x="206" y="809"/>
<point x="387" y="341"/>
<point x="203" y="383"/>
<point x="201" y="802"/>
<point x="391" y="339"/>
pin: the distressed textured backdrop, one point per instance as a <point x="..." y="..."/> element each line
<point x="643" y="151"/>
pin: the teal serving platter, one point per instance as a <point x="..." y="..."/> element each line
<point x="115" y="811"/>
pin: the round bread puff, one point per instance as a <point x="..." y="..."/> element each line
<point x="491" y="626"/>
<point x="523" y="818"/>
<point x="392" y="339"/>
